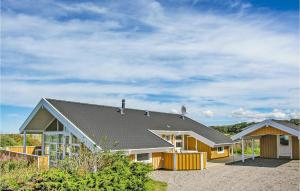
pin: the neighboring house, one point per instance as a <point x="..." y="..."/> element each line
<point x="278" y="139"/>
<point x="144" y="135"/>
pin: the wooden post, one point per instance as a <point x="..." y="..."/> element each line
<point x="24" y="142"/>
<point x="252" y="145"/>
<point x="201" y="161"/>
<point x="243" y="154"/>
<point x="43" y="144"/>
<point x="174" y="161"/>
<point x="196" y="144"/>
<point x="231" y="150"/>
<point x="291" y="146"/>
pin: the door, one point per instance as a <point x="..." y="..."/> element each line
<point x="284" y="146"/>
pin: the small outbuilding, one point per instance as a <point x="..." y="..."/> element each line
<point x="278" y="139"/>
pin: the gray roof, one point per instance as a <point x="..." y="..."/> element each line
<point x="288" y="124"/>
<point x="131" y="130"/>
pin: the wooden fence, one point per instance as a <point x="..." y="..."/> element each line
<point x="184" y="161"/>
<point x="41" y="161"/>
<point x="32" y="150"/>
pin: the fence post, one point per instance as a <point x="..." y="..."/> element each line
<point x="174" y="161"/>
<point x="38" y="162"/>
<point x="201" y="161"/>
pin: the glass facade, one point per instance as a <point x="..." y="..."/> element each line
<point x="60" y="143"/>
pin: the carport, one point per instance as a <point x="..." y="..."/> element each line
<point x="278" y="139"/>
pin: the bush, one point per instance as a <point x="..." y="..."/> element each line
<point x="115" y="171"/>
<point x="16" y="174"/>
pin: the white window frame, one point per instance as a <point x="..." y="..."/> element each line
<point x="220" y="152"/>
<point x="179" y="141"/>
<point x="144" y="161"/>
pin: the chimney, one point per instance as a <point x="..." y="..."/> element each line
<point x="147" y="113"/>
<point x="183" y="111"/>
<point x="122" y="110"/>
<point x="123" y="103"/>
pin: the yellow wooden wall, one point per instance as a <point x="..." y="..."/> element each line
<point x="191" y="143"/>
<point x="204" y="148"/>
<point x="295" y="148"/>
<point x="214" y="153"/>
<point x="43" y="162"/>
<point x="268" y="146"/>
<point x="187" y="161"/>
<point x="168" y="161"/>
<point x="157" y="160"/>
<point x="267" y="131"/>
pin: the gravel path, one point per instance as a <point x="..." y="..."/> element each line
<point x="260" y="174"/>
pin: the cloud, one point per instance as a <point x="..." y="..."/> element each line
<point x="215" y="61"/>
<point x="83" y="7"/>
<point x="259" y="116"/>
<point x="208" y="113"/>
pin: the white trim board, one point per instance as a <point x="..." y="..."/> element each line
<point x="269" y="122"/>
<point x="65" y="121"/>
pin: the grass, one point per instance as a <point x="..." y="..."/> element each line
<point x="154" y="185"/>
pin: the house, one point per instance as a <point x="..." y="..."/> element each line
<point x="144" y="135"/>
<point x="278" y="139"/>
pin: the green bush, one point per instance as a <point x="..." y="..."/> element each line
<point x="117" y="172"/>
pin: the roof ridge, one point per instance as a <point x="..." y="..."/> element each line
<point x="92" y="104"/>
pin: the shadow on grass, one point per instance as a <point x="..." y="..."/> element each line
<point x="261" y="162"/>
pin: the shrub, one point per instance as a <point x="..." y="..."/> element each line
<point x="16" y="174"/>
<point x="115" y="171"/>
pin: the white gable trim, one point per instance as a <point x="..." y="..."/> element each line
<point x="65" y="121"/>
<point x="190" y="133"/>
<point x="32" y="114"/>
<point x="266" y="123"/>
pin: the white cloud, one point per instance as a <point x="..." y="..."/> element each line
<point x="259" y="116"/>
<point x="208" y="113"/>
<point x="84" y="7"/>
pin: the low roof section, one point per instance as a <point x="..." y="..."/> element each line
<point x="282" y="126"/>
<point x="132" y="130"/>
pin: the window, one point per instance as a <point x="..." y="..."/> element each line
<point x="178" y="137"/>
<point x="143" y="157"/>
<point x="284" y="140"/>
<point x="179" y="144"/>
<point x="220" y="150"/>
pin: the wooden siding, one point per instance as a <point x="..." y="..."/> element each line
<point x="214" y="153"/>
<point x="191" y="143"/>
<point x="132" y="157"/>
<point x="187" y="161"/>
<point x="157" y="160"/>
<point x="204" y="159"/>
<point x="295" y="148"/>
<point x="268" y="146"/>
<point x="168" y="161"/>
<point x="185" y="142"/>
<point x="267" y="131"/>
<point x="43" y="162"/>
<point x="204" y="148"/>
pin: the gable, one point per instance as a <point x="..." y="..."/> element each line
<point x="267" y="130"/>
<point x="271" y="127"/>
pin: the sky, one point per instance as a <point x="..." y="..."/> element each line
<point x="226" y="61"/>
